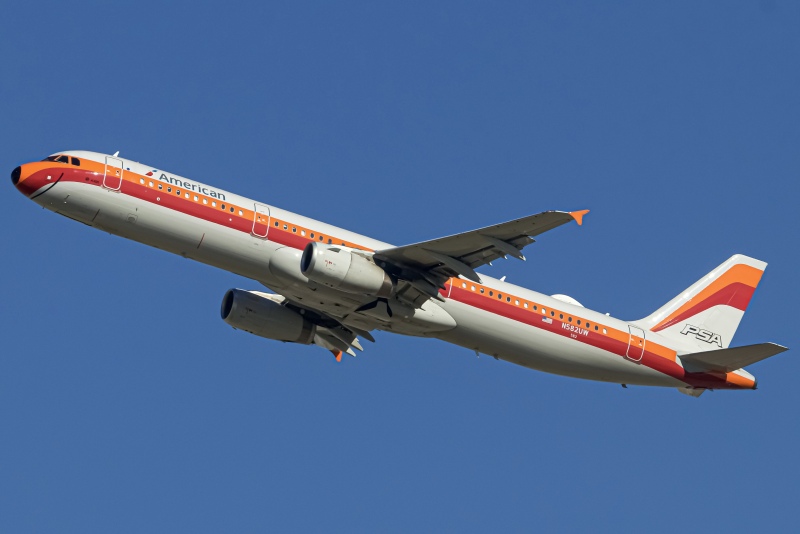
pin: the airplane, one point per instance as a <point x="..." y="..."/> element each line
<point x="332" y="286"/>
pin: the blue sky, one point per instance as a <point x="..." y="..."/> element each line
<point x="127" y="405"/>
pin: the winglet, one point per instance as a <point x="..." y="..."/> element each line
<point x="337" y="354"/>
<point x="578" y="216"/>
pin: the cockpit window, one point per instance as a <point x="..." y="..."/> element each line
<point x="63" y="159"/>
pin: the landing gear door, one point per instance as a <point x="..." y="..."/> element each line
<point x="261" y="221"/>
<point x="636" y="342"/>
<point x="113" y="174"/>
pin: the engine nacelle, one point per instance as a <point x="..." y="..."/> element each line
<point x="262" y="314"/>
<point x="343" y="270"/>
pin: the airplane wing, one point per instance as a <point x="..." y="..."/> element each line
<point x="331" y="333"/>
<point x="429" y="264"/>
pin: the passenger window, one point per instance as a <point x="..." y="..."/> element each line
<point x="240" y="212"/>
<point x="294" y="230"/>
<point x="178" y="192"/>
<point x="312" y="235"/>
<point x="160" y="186"/>
<point x="330" y="241"/>
<point x="195" y="198"/>
<point x="525" y="305"/>
<point x="213" y="203"/>
<point x="321" y="238"/>
<point x="491" y="293"/>
<point x="169" y="190"/>
<point x="151" y="184"/>
<point x="569" y="319"/>
<point x="500" y="296"/>
<point x="231" y="209"/>
<point x="186" y="195"/>
<point x="277" y="224"/>
<point x="223" y="206"/>
<point x="481" y="290"/>
<point x="302" y="233"/>
<point x="205" y="201"/>
<point x="560" y="315"/>
<point x="285" y="227"/>
<point x="141" y="180"/>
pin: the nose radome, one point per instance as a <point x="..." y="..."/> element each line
<point x="15" y="174"/>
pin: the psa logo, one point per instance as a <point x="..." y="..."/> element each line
<point x="702" y="335"/>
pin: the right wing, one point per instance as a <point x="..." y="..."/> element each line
<point x="429" y="264"/>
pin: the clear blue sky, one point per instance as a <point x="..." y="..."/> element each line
<point x="127" y="405"/>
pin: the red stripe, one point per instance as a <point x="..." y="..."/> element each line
<point x="737" y="295"/>
<point x="37" y="180"/>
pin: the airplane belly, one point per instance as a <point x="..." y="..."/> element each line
<point x="161" y="227"/>
<point x="535" y="348"/>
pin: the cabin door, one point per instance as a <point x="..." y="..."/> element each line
<point x="261" y="221"/>
<point x="113" y="174"/>
<point x="636" y="343"/>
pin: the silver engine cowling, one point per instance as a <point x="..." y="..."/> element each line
<point x="262" y="314"/>
<point x="341" y="269"/>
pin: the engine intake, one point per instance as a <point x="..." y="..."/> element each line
<point x="262" y="314"/>
<point x="343" y="270"/>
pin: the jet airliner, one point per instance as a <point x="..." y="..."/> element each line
<point x="331" y="286"/>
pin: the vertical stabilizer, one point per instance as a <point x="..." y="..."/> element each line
<point x="706" y="315"/>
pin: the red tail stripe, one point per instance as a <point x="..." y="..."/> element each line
<point x="736" y="295"/>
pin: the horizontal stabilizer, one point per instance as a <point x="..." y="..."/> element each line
<point x="727" y="360"/>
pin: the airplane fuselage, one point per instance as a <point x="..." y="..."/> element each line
<point x="265" y="243"/>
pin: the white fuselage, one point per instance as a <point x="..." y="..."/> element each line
<point x="495" y="318"/>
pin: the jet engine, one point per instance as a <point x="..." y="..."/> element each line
<point x="262" y="314"/>
<point x="344" y="270"/>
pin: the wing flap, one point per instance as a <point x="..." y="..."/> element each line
<point x="727" y="360"/>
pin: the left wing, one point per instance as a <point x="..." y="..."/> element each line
<point x="429" y="264"/>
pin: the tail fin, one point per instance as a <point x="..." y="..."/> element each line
<point x="705" y="316"/>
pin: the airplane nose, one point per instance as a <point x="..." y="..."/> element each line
<point x="15" y="174"/>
